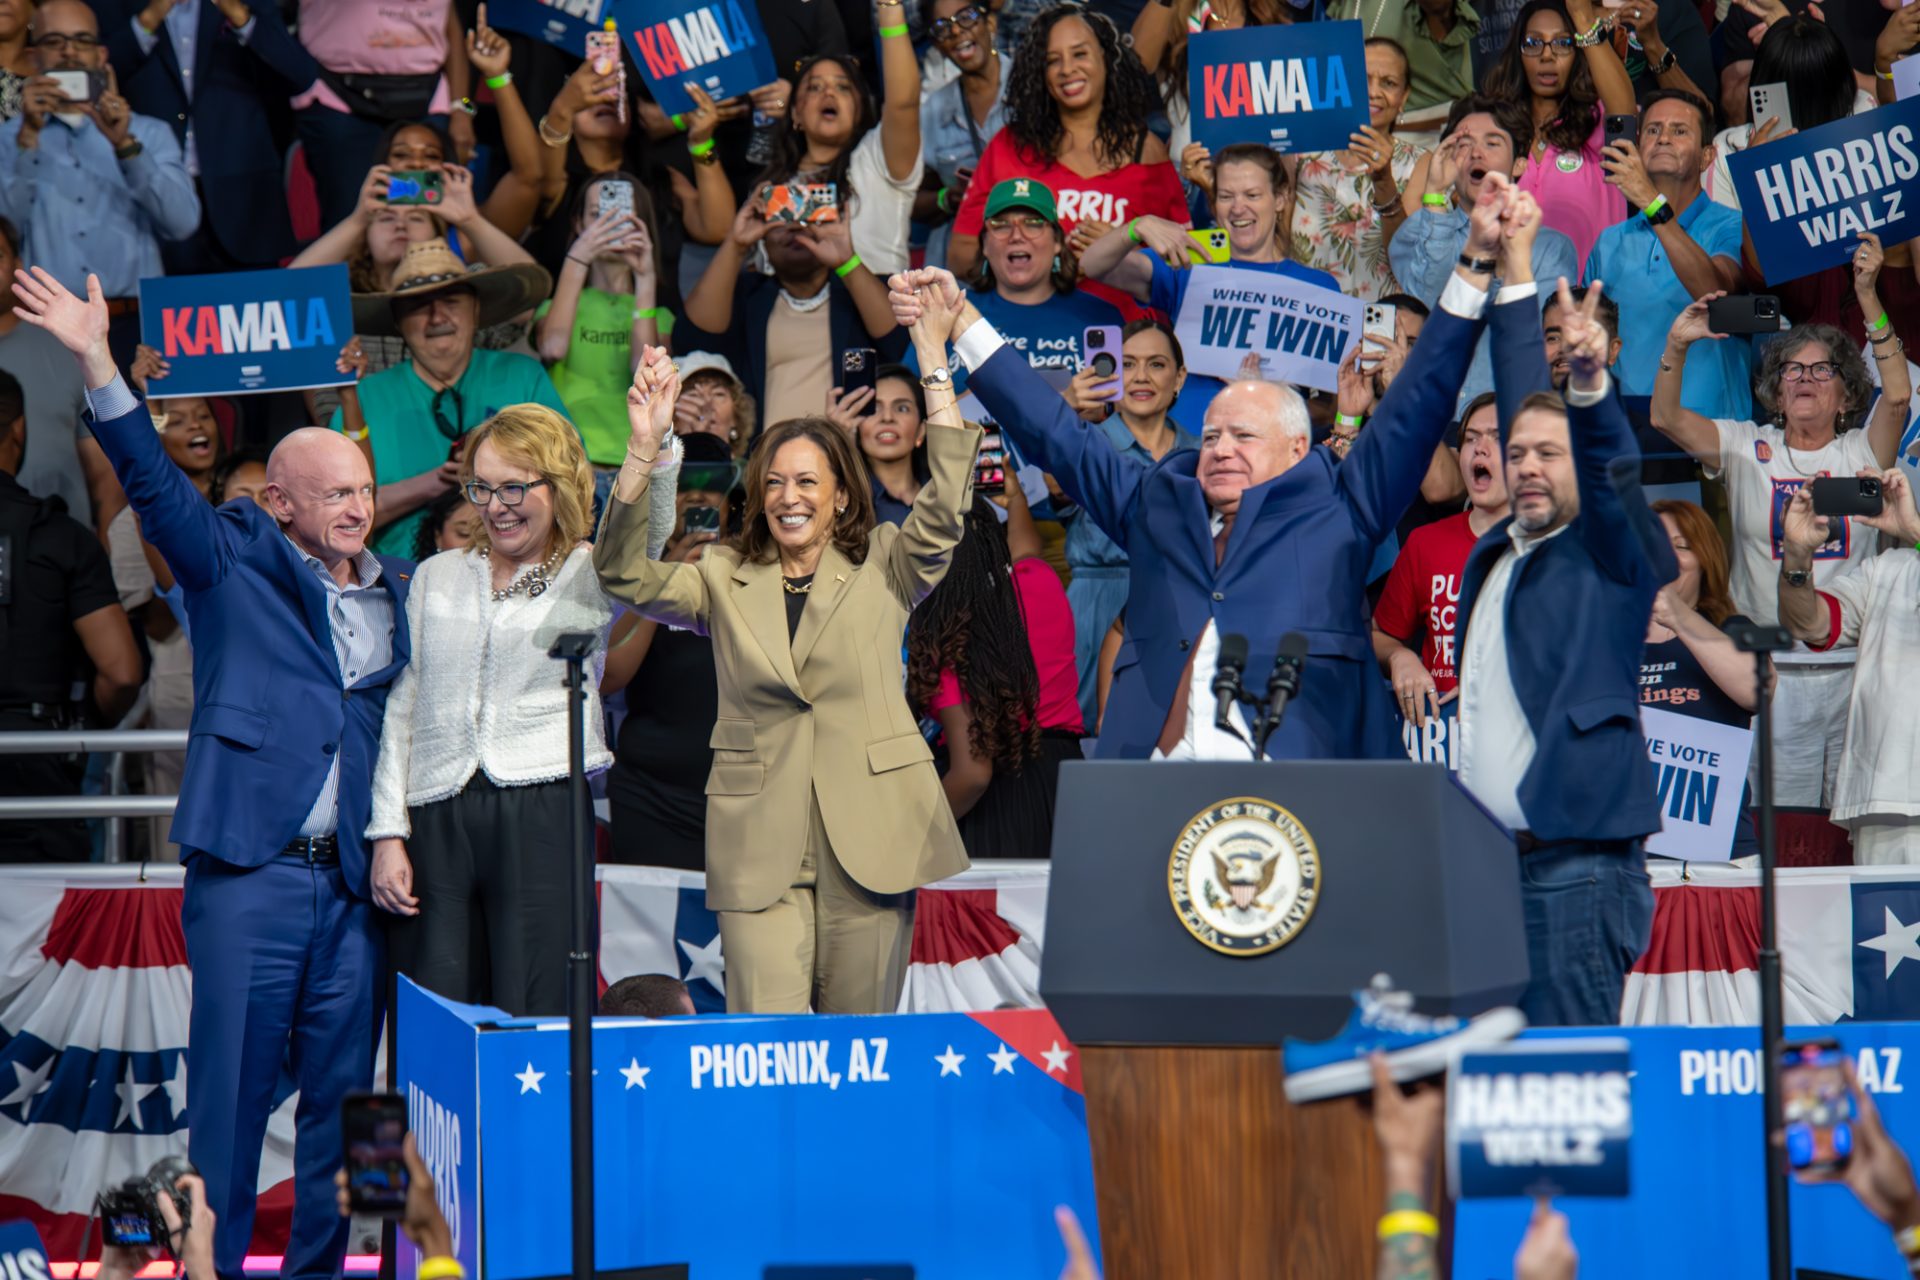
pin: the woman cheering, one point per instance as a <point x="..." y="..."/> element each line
<point x="470" y="823"/>
<point x="824" y="812"/>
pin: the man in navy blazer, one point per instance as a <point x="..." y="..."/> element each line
<point x="1553" y="607"/>
<point x="298" y="631"/>
<point x="213" y="70"/>
<point x="1256" y="534"/>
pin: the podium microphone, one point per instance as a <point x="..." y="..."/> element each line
<point x="1282" y="685"/>
<point x="1227" y="670"/>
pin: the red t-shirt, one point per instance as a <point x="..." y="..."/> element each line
<point x="1422" y="595"/>
<point x="1043" y="603"/>
<point x="1128" y="192"/>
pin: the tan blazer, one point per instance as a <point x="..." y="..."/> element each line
<point x="826" y="714"/>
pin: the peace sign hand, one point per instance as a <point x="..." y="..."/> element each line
<point x="1583" y="337"/>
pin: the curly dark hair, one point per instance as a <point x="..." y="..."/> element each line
<point x="972" y="624"/>
<point x="1033" y="118"/>
<point x="755" y="540"/>
<point x="1507" y="78"/>
<point x="790" y="155"/>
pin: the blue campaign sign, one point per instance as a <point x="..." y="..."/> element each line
<point x="22" y="1255"/>
<point x="1540" y="1118"/>
<point x="248" y="331"/>
<point x="435" y="1073"/>
<point x="558" y="22"/>
<point x="1698" y="1200"/>
<point x="1807" y="198"/>
<point x="1437" y="741"/>
<point x="717" y="44"/>
<point x="1293" y="87"/>
<point x="939" y="1141"/>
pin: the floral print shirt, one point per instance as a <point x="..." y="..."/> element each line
<point x="1335" y="227"/>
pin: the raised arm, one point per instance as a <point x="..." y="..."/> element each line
<point x="900" y="79"/>
<point x="1111" y="259"/>
<point x="918" y="558"/>
<point x="1609" y="73"/>
<point x="342" y="240"/>
<point x="196" y="540"/>
<point x="1624" y="537"/>
<point x="1889" y="421"/>
<point x="710" y="305"/>
<point x="1022" y="404"/>
<point x="675" y="594"/>
<point x="1691" y="431"/>
<point x="1519" y="344"/>
<point x="515" y="199"/>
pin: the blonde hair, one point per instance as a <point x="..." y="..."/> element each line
<point x="544" y="442"/>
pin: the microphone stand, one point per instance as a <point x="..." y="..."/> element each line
<point x="1761" y="641"/>
<point x="574" y="648"/>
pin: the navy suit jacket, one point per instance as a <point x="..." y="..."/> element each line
<point x="1576" y="615"/>
<point x="1296" y="560"/>
<point x="241" y="169"/>
<point x="269" y="712"/>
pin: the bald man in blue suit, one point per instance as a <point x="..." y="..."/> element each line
<point x="298" y="631"/>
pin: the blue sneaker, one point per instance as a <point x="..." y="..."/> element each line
<point x="1383" y="1019"/>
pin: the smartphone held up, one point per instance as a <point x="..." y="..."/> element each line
<point x="373" y="1127"/>
<point x="1816" y="1106"/>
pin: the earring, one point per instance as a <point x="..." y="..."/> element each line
<point x="1056" y="264"/>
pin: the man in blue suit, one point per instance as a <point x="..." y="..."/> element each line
<point x="298" y="631"/>
<point x="1553" y="607"/>
<point x="213" y="70"/>
<point x="1256" y="534"/>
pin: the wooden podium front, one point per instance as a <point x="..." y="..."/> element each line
<point x="1203" y="1169"/>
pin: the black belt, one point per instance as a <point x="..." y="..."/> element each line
<point x="321" y="851"/>
<point x="1527" y="842"/>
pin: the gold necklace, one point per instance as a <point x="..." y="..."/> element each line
<point x="534" y="581"/>
<point x="787" y="584"/>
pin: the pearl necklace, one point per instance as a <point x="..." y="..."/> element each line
<point x="534" y="581"/>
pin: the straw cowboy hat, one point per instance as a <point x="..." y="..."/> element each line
<point x="431" y="266"/>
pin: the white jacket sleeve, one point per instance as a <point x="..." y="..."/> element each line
<point x="389" y="818"/>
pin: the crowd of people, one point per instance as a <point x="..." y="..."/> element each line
<point x="874" y="537"/>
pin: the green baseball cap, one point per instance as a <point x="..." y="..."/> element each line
<point x="1023" y="193"/>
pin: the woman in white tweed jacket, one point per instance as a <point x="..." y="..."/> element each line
<point x="470" y="818"/>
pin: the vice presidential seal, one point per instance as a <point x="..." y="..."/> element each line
<point x="1244" y="876"/>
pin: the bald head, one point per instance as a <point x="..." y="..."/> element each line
<point x="63" y="16"/>
<point x="1254" y="431"/>
<point x="320" y="490"/>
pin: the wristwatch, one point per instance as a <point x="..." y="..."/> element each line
<point x="1796" y="577"/>
<point x="1657" y="212"/>
<point x="937" y="379"/>
<point x="1664" y="63"/>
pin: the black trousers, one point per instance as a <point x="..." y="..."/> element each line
<point x="491" y="870"/>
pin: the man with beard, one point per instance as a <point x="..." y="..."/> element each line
<point x="1556" y="601"/>
<point x="1484" y="136"/>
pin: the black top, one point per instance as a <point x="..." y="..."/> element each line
<point x="56" y="573"/>
<point x="661" y="757"/>
<point x="796" y="602"/>
<point x="1672" y="679"/>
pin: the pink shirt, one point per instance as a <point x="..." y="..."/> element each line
<point x="1043" y="603"/>
<point x="1574" y="194"/>
<point x="375" y="37"/>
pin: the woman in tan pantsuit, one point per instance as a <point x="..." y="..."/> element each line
<point x="824" y="811"/>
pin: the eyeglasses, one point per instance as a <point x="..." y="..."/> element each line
<point x="944" y="29"/>
<point x="1535" y="47"/>
<point x="57" y="42"/>
<point x="1032" y="224"/>
<point x="480" y="493"/>
<point x="1819" y="371"/>
<point x="455" y="428"/>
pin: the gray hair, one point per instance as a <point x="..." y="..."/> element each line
<point x="1292" y="417"/>
<point x="1849" y="367"/>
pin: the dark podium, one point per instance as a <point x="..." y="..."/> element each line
<point x="1201" y="1166"/>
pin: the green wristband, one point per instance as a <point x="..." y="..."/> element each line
<point x="1132" y="233"/>
<point x="1879" y="324"/>
<point x="845" y="269"/>
<point x="940" y="201"/>
<point x="1348" y="420"/>
<point x="1654" y="206"/>
<point x="647" y="313"/>
<point x="899" y="30"/>
<point x="1434" y="200"/>
<point x="500" y="81"/>
<point x="700" y="148"/>
<point x="679" y="122"/>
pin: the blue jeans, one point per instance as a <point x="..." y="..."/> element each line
<point x="1589" y="912"/>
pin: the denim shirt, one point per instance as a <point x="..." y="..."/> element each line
<point x="948" y="143"/>
<point x="1088" y="546"/>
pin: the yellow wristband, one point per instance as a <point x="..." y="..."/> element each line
<point x="442" y="1268"/>
<point x="356" y="436"/>
<point x="1401" y="1222"/>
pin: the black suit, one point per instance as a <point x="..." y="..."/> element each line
<point x="227" y="96"/>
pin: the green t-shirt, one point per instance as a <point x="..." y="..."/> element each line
<point x="594" y="375"/>
<point x="407" y="439"/>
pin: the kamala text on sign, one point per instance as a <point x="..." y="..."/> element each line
<point x="719" y="45"/>
<point x="248" y="331"/>
<point x="1293" y="88"/>
<point x="558" y="22"/>
<point x="1808" y="197"/>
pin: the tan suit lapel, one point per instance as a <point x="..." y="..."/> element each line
<point x="763" y="603"/>
<point x="829" y="588"/>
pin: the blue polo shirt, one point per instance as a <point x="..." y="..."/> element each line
<point x="1633" y="268"/>
<point x="1169" y="290"/>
